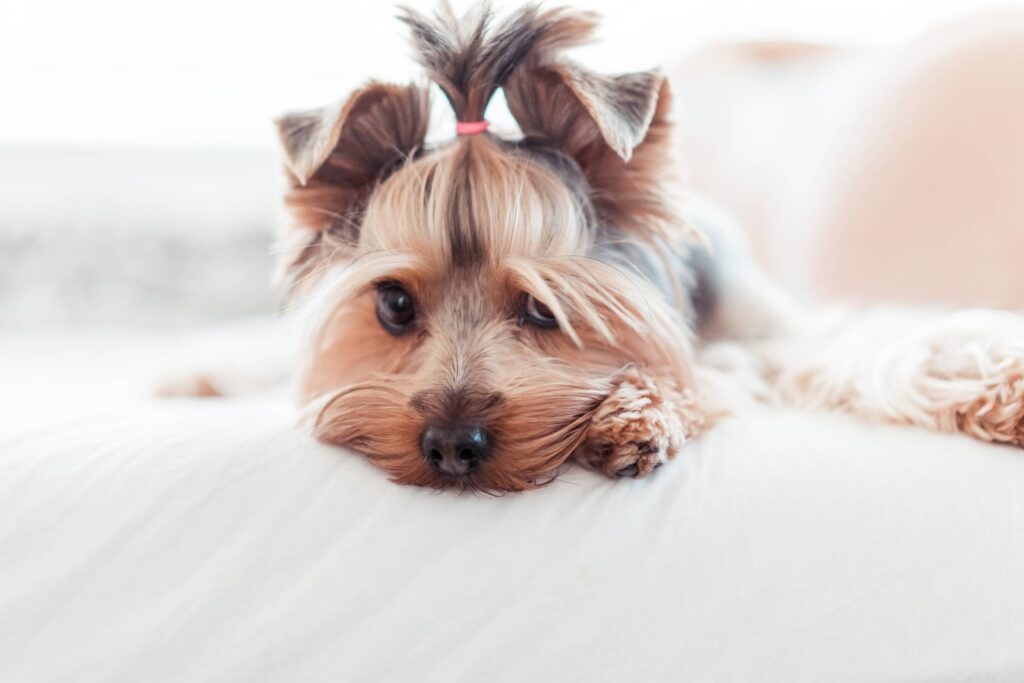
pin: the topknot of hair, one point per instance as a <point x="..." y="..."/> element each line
<point x="470" y="57"/>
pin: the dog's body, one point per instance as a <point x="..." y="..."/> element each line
<point x="482" y="311"/>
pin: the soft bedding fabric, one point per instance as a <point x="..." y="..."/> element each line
<point x="211" y="540"/>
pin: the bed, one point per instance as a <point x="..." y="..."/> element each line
<point x="147" y="540"/>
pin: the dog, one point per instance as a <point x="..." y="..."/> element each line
<point x="483" y="311"/>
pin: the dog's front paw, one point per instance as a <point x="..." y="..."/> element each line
<point x="640" y="426"/>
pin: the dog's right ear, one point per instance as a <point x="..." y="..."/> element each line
<point x="335" y="157"/>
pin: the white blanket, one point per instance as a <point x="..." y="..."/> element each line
<point x="211" y="540"/>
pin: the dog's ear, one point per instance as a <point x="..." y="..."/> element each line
<point x="335" y="157"/>
<point x="615" y="127"/>
<point x="583" y="111"/>
<point x="378" y="126"/>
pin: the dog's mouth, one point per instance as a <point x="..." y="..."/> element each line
<point x="532" y="438"/>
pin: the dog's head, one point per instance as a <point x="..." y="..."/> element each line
<point x="467" y="307"/>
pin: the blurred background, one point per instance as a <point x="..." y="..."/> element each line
<point x="873" y="148"/>
<point x="213" y="73"/>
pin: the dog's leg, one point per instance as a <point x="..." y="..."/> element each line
<point x="955" y="372"/>
<point x="640" y="426"/>
<point x="230" y="359"/>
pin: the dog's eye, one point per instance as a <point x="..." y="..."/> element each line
<point x="536" y="313"/>
<point x="395" y="308"/>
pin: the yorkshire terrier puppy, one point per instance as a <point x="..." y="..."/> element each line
<point x="484" y="310"/>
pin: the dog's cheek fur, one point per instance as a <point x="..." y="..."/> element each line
<point x="351" y="348"/>
<point x="550" y="397"/>
<point x="357" y="387"/>
<point x="375" y="418"/>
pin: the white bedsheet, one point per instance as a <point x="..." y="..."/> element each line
<point x="211" y="541"/>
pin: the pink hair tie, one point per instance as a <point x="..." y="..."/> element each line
<point x="470" y="127"/>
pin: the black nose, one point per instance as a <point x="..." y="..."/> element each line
<point x="454" y="449"/>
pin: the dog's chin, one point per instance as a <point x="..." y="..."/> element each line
<point x="533" y="438"/>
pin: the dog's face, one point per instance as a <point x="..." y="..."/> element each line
<point x="463" y="325"/>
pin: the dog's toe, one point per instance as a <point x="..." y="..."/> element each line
<point x="628" y="471"/>
<point x="624" y="460"/>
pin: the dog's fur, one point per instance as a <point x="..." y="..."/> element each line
<point x="579" y="215"/>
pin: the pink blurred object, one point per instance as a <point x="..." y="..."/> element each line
<point x="893" y="176"/>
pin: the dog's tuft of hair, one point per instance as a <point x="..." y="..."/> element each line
<point x="470" y="57"/>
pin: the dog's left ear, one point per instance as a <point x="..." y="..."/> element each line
<point x="335" y="157"/>
<point x="615" y="127"/>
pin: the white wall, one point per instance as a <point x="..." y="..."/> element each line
<point x="214" y="72"/>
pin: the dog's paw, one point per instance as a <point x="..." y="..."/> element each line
<point x="188" y="385"/>
<point x="640" y="426"/>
